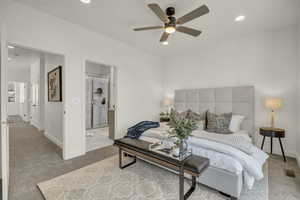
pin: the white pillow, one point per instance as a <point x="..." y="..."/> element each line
<point x="201" y="125"/>
<point x="235" y="123"/>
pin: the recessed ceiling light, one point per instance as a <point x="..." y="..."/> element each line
<point x="85" y="1"/>
<point x="165" y="43"/>
<point x="240" y="18"/>
<point x="10" y="47"/>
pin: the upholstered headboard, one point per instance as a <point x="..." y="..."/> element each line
<point x="238" y="100"/>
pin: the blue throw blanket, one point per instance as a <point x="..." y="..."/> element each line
<point x="137" y="130"/>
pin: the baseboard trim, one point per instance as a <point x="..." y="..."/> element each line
<point x="53" y="139"/>
<point x="35" y="124"/>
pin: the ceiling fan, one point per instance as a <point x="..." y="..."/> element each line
<point x="172" y="24"/>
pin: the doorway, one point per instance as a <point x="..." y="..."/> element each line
<point x="18" y="104"/>
<point x="100" y="98"/>
<point x="35" y="120"/>
<point x="29" y="89"/>
<point x="97" y="101"/>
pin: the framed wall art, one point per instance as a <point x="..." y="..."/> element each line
<point x="55" y="85"/>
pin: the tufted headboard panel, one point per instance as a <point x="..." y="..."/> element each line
<point x="238" y="100"/>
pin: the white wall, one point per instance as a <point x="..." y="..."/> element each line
<point x="18" y="75"/>
<point x="298" y="141"/>
<point x="266" y="60"/>
<point x="139" y="74"/>
<point x="53" y="110"/>
<point x="99" y="69"/>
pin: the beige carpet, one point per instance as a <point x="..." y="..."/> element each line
<point x="142" y="181"/>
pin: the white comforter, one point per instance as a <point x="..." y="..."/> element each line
<point x="221" y="155"/>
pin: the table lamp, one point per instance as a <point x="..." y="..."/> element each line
<point x="273" y="104"/>
<point x="168" y="102"/>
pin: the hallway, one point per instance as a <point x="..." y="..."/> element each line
<point x="33" y="158"/>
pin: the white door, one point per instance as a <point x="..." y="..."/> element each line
<point x="22" y="100"/>
<point x="4" y="126"/>
<point x="35" y="108"/>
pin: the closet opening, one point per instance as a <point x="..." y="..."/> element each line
<point x="99" y="105"/>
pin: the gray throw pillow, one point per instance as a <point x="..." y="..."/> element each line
<point x="177" y="114"/>
<point x="196" y="116"/>
<point x="218" y="123"/>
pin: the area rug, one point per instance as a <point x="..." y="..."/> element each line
<point x="142" y="181"/>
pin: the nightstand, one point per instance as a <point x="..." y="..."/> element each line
<point x="273" y="133"/>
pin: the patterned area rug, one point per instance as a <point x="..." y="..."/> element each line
<point x="142" y="181"/>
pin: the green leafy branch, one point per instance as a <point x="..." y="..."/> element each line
<point x="181" y="127"/>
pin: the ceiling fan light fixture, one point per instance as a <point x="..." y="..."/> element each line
<point x="240" y="18"/>
<point x="170" y="29"/>
<point x="165" y="42"/>
<point x="86" y="1"/>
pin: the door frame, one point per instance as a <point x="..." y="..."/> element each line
<point x="63" y="87"/>
<point x="113" y="105"/>
<point x="4" y="123"/>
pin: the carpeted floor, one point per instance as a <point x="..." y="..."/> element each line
<point x="34" y="159"/>
<point x="141" y="181"/>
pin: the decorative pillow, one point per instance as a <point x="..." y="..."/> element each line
<point x="179" y="114"/>
<point x="235" y="123"/>
<point x="223" y="124"/>
<point x="201" y="125"/>
<point x="196" y="116"/>
<point x="218" y="123"/>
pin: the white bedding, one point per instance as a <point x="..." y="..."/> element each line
<point x="221" y="155"/>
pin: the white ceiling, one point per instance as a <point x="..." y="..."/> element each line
<point x="117" y="18"/>
<point x="22" y="58"/>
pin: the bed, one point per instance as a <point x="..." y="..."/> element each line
<point x="228" y="173"/>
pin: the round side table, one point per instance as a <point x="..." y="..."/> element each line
<point x="273" y="133"/>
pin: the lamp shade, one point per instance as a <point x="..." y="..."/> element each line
<point x="168" y="102"/>
<point x="274" y="104"/>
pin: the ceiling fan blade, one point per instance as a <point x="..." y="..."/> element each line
<point x="159" y="12"/>
<point x="164" y="37"/>
<point x="148" y="28"/>
<point x="187" y="30"/>
<point x="202" y="10"/>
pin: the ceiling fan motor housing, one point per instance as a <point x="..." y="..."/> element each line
<point x="172" y="22"/>
<point x="170" y="11"/>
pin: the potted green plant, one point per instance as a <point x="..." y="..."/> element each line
<point x="180" y="129"/>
